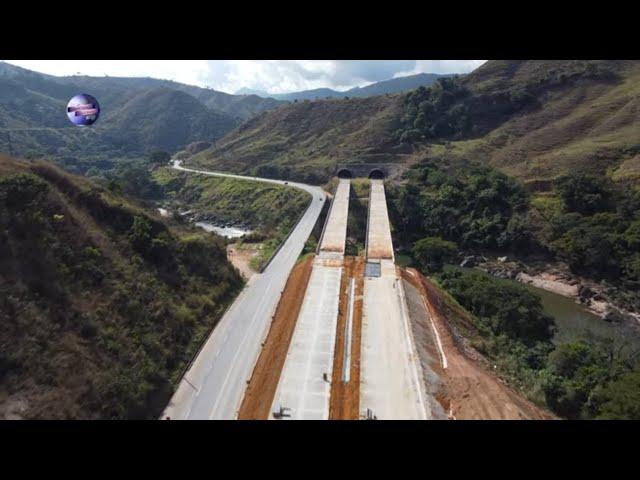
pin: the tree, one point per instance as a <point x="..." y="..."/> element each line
<point x="576" y="369"/>
<point x="620" y="399"/>
<point x="159" y="157"/>
<point x="431" y="253"/>
<point x="583" y="193"/>
<point x="140" y="235"/>
<point x="504" y="307"/>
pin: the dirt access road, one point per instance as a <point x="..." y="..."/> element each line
<point x="241" y="258"/>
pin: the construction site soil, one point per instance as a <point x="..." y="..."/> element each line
<point x="345" y="397"/>
<point x="468" y="390"/>
<point x="262" y="387"/>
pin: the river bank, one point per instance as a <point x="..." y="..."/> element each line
<point x="557" y="278"/>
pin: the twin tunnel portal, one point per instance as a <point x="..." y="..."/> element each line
<point x="379" y="364"/>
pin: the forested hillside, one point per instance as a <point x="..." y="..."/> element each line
<point x="138" y="116"/>
<point x="102" y="304"/>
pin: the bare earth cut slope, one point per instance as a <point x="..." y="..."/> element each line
<point x="466" y="388"/>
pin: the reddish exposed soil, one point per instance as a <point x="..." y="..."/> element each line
<point x="345" y="397"/>
<point x="266" y="374"/>
<point x="470" y="391"/>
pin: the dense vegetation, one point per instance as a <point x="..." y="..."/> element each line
<point x="598" y="229"/>
<point x="590" y="223"/>
<point x="270" y="210"/>
<point x="476" y="207"/>
<point x="458" y="108"/>
<point x="435" y="112"/>
<point x="431" y="253"/>
<point x="587" y="221"/>
<point x="578" y="380"/>
<point x="101" y="304"/>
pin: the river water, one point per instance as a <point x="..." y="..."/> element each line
<point x="575" y="322"/>
<point x="229" y="232"/>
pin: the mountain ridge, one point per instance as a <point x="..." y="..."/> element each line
<point x="392" y="85"/>
<point x="534" y="120"/>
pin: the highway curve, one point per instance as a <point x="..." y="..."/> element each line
<point x="214" y="385"/>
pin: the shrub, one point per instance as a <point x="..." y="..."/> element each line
<point x="431" y="253"/>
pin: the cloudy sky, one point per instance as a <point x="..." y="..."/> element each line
<point x="273" y="76"/>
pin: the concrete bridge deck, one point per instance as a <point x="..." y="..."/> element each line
<point x="379" y="243"/>
<point x="390" y="372"/>
<point x="334" y="236"/>
<point x="302" y="388"/>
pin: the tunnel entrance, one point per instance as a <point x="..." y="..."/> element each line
<point x="376" y="174"/>
<point x="344" y="173"/>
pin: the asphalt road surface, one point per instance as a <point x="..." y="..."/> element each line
<point x="214" y="385"/>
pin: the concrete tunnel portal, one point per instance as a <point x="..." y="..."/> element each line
<point x="345" y="173"/>
<point x="376" y="174"/>
<point x="373" y="174"/>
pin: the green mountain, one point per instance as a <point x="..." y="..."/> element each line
<point x="102" y="303"/>
<point x="238" y="106"/>
<point x="306" y="139"/>
<point x="139" y="115"/>
<point x="393" y="85"/>
<point x="531" y="119"/>
<point x="162" y="118"/>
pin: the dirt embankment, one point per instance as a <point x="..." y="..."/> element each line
<point x="345" y="397"/>
<point x="469" y="391"/>
<point x="262" y="387"/>
<point x="241" y="258"/>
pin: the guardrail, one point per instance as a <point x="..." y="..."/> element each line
<point x="326" y="220"/>
<point x="291" y="230"/>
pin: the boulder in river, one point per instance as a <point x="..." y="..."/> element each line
<point x="585" y="293"/>
<point x="612" y="315"/>
<point x="470" y="261"/>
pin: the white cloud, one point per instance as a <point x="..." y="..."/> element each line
<point x="275" y="76"/>
<point x="441" y="66"/>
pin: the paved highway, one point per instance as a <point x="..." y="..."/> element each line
<point x="214" y="385"/>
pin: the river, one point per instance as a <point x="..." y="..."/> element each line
<point x="574" y="321"/>
<point x="229" y="232"/>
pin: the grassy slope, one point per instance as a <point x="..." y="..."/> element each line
<point x="93" y="326"/>
<point x="585" y="117"/>
<point x="310" y="137"/>
<point x="270" y="210"/>
<point x="258" y="205"/>
<point x="584" y="124"/>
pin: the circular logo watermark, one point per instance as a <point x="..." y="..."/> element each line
<point x="83" y="110"/>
